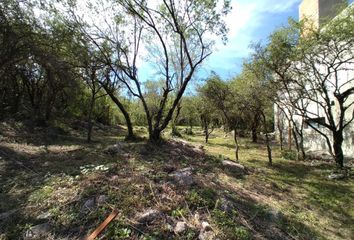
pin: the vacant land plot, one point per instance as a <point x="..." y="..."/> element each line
<point x="55" y="185"/>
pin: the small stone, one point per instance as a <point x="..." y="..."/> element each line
<point x="180" y="227"/>
<point x="234" y="167"/>
<point x="7" y="214"/>
<point x="274" y="215"/>
<point x="113" y="150"/>
<point x="37" y="231"/>
<point x="183" y="177"/>
<point x="89" y="204"/>
<point x="101" y="199"/>
<point x="45" y="215"/>
<point x="336" y="176"/>
<point x="114" y="178"/>
<point x="169" y="227"/>
<point x="206" y="235"/>
<point x="148" y="216"/>
<point x="226" y="205"/>
<point x="206" y="226"/>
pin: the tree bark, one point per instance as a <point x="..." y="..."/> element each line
<point x="297" y="145"/>
<point x="337" y="148"/>
<point x="130" y="134"/>
<point x="89" y="122"/>
<point x="254" y="129"/>
<point x="175" y="121"/>
<point x="206" y="131"/>
<point x="269" y="149"/>
<point x="236" y="145"/>
<point x="289" y="135"/>
<point x="254" y="135"/>
<point x="155" y="136"/>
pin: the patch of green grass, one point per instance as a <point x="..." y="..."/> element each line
<point x="289" y="154"/>
<point x="117" y="230"/>
<point x="201" y="198"/>
<point x="229" y="225"/>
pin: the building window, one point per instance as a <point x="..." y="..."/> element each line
<point x="315" y="122"/>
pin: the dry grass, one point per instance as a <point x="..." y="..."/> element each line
<point x="59" y="176"/>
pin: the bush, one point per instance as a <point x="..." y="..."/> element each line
<point x="289" y="154"/>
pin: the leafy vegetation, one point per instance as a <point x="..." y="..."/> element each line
<point x="84" y="131"/>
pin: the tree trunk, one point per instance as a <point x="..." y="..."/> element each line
<point x="297" y="145"/>
<point x="254" y="135"/>
<point x="175" y="121"/>
<point x="155" y="136"/>
<point x="281" y="139"/>
<point x="89" y="120"/>
<point x="337" y="148"/>
<point x="289" y="135"/>
<point x="269" y="150"/>
<point x="236" y="145"/>
<point x="206" y="131"/>
<point x="130" y="134"/>
<point x="254" y="129"/>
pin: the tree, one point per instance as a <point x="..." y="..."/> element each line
<point x="36" y="62"/>
<point x="317" y="81"/>
<point x="277" y="57"/>
<point x="176" y="35"/>
<point x="256" y="96"/>
<point x="208" y="115"/>
<point x="224" y="98"/>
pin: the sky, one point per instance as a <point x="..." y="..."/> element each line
<point x="250" y="21"/>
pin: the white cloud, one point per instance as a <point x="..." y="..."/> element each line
<point x="246" y="16"/>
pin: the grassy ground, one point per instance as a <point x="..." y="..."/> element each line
<point x="54" y="171"/>
<point x="299" y="190"/>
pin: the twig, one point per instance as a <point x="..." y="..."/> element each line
<point x="103" y="225"/>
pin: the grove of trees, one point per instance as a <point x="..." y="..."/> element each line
<point x="58" y="61"/>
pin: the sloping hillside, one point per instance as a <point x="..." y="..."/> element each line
<point x="55" y="186"/>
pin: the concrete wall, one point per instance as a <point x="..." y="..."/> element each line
<point x="320" y="11"/>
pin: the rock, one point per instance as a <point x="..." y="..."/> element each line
<point x="180" y="227"/>
<point x="101" y="199"/>
<point x="89" y="204"/>
<point x="148" y="216"/>
<point x="45" y="215"/>
<point x="206" y="235"/>
<point x="183" y="177"/>
<point x="7" y="214"/>
<point x="226" y="205"/>
<point x="336" y="176"/>
<point x="113" y="150"/>
<point x="234" y="167"/>
<point x="274" y="215"/>
<point x="319" y="155"/>
<point x="206" y="226"/>
<point x="114" y="178"/>
<point x="169" y="227"/>
<point x="37" y="231"/>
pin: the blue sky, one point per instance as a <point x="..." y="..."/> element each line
<point x="249" y="21"/>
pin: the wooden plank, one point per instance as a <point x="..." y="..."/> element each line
<point x="103" y="225"/>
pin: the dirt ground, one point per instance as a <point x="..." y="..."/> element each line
<point x="54" y="185"/>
